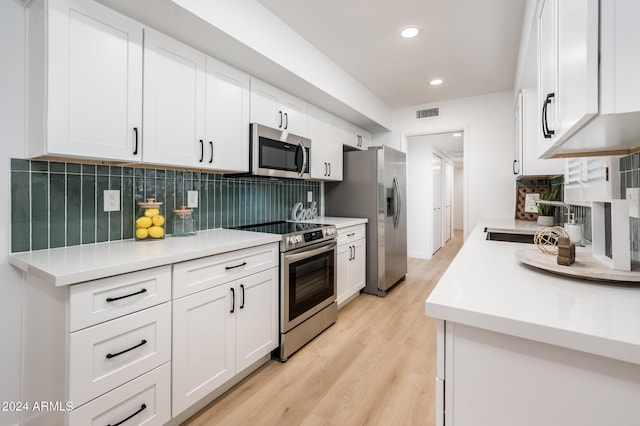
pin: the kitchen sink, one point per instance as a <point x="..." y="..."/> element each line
<point x="509" y="237"/>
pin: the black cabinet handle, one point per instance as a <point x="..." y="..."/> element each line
<point x="113" y="299"/>
<point x="326" y="168"/>
<point x="201" y="150"/>
<point x="233" y="300"/>
<point x="242" y="303"/>
<point x="545" y="125"/>
<point x="286" y="120"/>
<point x="329" y="169"/>
<point x="143" y="342"/>
<point x="142" y="408"/>
<point x="135" y="149"/>
<point x="211" y="156"/>
<point x="280" y="125"/>
<point x="515" y="170"/>
<point x="235" y="266"/>
<point x="351" y="234"/>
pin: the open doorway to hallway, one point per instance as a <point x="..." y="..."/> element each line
<point x="435" y="167"/>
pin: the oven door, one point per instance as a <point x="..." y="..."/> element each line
<point x="308" y="283"/>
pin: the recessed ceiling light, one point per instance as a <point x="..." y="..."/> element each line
<point x="410" y="32"/>
<point x="456" y="134"/>
<point x="435" y="82"/>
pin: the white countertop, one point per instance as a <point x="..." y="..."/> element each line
<point x="70" y="265"/>
<point x="486" y="287"/>
<point x="339" y="222"/>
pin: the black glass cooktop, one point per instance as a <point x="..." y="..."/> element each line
<point x="281" y="227"/>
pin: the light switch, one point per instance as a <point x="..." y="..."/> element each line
<point x="633" y="197"/>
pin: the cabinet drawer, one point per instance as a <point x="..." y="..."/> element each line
<point x="107" y="355"/>
<point x="351" y="233"/>
<point x="101" y="300"/>
<point x="196" y="275"/>
<point x="145" y="400"/>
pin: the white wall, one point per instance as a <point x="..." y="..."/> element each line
<point x="487" y="122"/>
<point x="458" y="200"/>
<point x="419" y="200"/>
<point x="12" y="78"/>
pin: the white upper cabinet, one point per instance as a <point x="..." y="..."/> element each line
<point x="174" y="102"/>
<point x="588" y="65"/>
<point x="326" y="149"/>
<point x="277" y="109"/>
<point x="568" y="66"/>
<point x="355" y="137"/>
<point x="526" y="120"/>
<point x="227" y="117"/>
<point x="196" y="108"/>
<point x="84" y="76"/>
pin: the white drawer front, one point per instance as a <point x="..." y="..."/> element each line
<point x="144" y="401"/>
<point x="196" y="275"/>
<point x="352" y="233"/>
<point x="107" y="355"/>
<point x="102" y="300"/>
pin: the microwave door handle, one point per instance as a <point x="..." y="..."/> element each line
<point x="303" y="166"/>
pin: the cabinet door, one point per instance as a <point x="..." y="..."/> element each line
<point x="577" y="64"/>
<point x="257" y="317"/>
<point x="518" y="137"/>
<point x="174" y="102"/>
<point x="357" y="267"/>
<point x="227" y="118"/>
<point x="94" y="83"/>
<point x="295" y="115"/>
<point x="547" y="71"/>
<point x="343" y="256"/>
<point x="203" y="344"/>
<point x="326" y="158"/>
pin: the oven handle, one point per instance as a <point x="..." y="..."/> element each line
<point x="303" y="254"/>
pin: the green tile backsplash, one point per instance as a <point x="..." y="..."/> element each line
<point x="57" y="204"/>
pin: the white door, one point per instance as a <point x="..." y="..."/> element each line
<point x="174" y="102"/>
<point x="256" y="317"/>
<point x="227" y="121"/>
<point x="203" y="344"/>
<point x="436" y="194"/>
<point x="95" y="82"/>
<point x="448" y="201"/>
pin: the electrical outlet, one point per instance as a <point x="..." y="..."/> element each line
<point x="633" y="196"/>
<point x="112" y="200"/>
<point x="309" y="196"/>
<point x="192" y="199"/>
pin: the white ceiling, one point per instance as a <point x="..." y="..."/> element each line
<point x="471" y="44"/>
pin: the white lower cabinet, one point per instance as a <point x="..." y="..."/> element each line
<point x="145" y="400"/>
<point x="351" y="263"/>
<point x="220" y="331"/>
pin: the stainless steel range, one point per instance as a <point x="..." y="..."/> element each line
<point x="307" y="281"/>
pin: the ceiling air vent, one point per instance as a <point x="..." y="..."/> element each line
<point x="426" y="113"/>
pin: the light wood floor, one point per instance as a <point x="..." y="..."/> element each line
<point x="375" y="366"/>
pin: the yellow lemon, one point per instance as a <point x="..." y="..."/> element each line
<point x="157" y="220"/>
<point x="156" y="232"/>
<point x="151" y="212"/>
<point x="142" y="233"/>
<point x="143" y="222"/>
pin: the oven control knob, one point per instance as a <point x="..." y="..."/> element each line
<point x="291" y="240"/>
<point x="298" y="238"/>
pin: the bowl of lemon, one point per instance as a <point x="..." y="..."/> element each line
<point x="150" y="220"/>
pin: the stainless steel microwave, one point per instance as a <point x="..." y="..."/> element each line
<point x="278" y="153"/>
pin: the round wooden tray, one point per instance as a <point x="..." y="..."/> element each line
<point x="585" y="267"/>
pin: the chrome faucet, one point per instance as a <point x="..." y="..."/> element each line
<point x="559" y="204"/>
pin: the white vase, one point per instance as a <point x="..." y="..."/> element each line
<point x="545" y="220"/>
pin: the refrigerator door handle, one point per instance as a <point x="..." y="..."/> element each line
<point x="398" y="200"/>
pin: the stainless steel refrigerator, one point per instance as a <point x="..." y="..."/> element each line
<point x="374" y="186"/>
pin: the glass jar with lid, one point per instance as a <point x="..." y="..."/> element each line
<point x="150" y="221"/>
<point x="183" y="223"/>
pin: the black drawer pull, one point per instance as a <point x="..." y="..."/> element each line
<point x="236" y="266"/>
<point x="109" y="356"/>
<point x="113" y="299"/>
<point x="351" y="234"/>
<point x="142" y="408"/>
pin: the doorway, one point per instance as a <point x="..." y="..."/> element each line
<point x="435" y="166"/>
